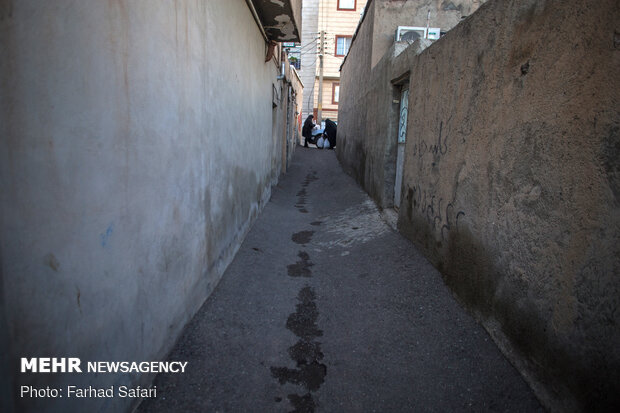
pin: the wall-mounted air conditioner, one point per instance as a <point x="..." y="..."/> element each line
<point x="412" y="33"/>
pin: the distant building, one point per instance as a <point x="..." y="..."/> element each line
<point x="337" y="19"/>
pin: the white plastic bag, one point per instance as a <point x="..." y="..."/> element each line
<point x="320" y="142"/>
<point x="325" y="143"/>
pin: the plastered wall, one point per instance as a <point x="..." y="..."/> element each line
<point x="389" y="14"/>
<point x="511" y="184"/>
<point x="354" y="101"/>
<point x="138" y="143"/>
<point x="372" y="74"/>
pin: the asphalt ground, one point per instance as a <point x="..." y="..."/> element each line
<point x="326" y="308"/>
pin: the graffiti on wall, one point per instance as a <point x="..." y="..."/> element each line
<point x="442" y="215"/>
<point x="437" y="148"/>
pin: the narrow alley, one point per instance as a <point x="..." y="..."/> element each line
<point x="326" y="308"/>
<point x="169" y="244"/>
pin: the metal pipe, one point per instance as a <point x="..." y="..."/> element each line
<point x="257" y="19"/>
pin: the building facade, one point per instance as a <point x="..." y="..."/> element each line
<point x="136" y="150"/>
<point x="327" y="32"/>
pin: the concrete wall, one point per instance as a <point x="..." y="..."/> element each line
<point x="139" y="142"/>
<point x="390" y="14"/>
<point x="298" y="87"/>
<point x="352" y="144"/>
<point x="292" y="98"/>
<point x="368" y="116"/>
<point x="512" y="181"/>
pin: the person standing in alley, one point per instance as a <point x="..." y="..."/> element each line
<point x="330" y="132"/>
<point x="306" y="130"/>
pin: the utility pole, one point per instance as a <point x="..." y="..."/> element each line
<point x="319" y="114"/>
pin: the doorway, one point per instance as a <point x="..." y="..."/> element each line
<point x="402" y="136"/>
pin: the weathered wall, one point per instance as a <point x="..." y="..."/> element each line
<point x="512" y="182"/>
<point x="390" y="14"/>
<point x="370" y="84"/>
<point x="512" y="185"/>
<point x="351" y="145"/>
<point x="298" y="98"/>
<point x="292" y="96"/>
<point x="136" y="150"/>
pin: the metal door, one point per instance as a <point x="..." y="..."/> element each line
<point x="402" y="136"/>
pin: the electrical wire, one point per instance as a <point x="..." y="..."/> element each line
<point x="313" y="63"/>
<point x="311" y="43"/>
<point x="310" y="52"/>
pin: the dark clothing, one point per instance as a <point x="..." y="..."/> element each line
<point x="306" y="130"/>
<point x="330" y="132"/>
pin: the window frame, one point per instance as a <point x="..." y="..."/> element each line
<point x="334" y="85"/>
<point x="346" y="9"/>
<point x="342" y="36"/>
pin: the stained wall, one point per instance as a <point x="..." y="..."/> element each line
<point x="511" y="181"/>
<point x="139" y="140"/>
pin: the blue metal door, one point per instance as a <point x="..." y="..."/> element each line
<point x="402" y="136"/>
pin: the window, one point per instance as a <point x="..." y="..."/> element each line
<point x="335" y="93"/>
<point x="342" y="45"/>
<point x="347" y="4"/>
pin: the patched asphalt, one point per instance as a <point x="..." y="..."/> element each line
<point x="326" y="308"/>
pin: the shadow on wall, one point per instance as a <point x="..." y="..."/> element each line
<point x="511" y="182"/>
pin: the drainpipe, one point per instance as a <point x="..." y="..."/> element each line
<point x="282" y="73"/>
<point x="257" y="19"/>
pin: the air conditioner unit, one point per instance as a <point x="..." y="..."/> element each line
<point x="412" y="33"/>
